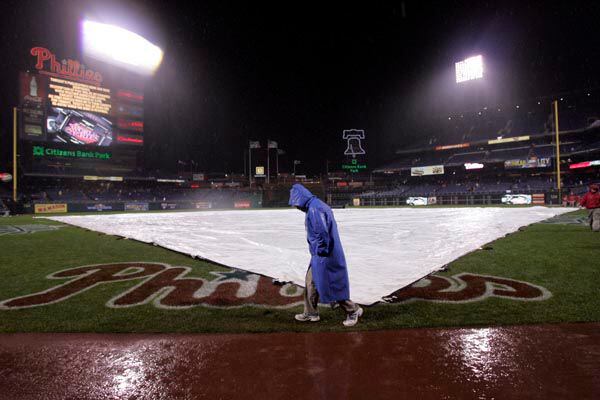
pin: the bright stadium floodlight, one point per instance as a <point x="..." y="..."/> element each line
<point x="121" y="47"/>
<point x="469" y="69"/>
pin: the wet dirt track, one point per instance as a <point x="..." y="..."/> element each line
<point x="532" y="362"/>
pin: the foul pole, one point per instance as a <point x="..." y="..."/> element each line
<point x="15" y="154"/>
<point x="250" y="166"/>
<point x="558" y="182"/>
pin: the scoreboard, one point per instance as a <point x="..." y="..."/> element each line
<point x="69" y="110"/>
<point x="63" y="104"/>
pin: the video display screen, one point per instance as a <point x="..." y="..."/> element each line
<point x="75" y="127"/>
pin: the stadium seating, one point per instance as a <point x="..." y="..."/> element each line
<point x="576" y="112"/>
<point x="466" y="136"/>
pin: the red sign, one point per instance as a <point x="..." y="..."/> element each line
<point x="128" y="139"/>
<point x="580" y="165"/>
<point x="242" y="204"/>
<point x="137" y="126"/>
<point x="584" y="164"/>
<point x="129" y="95"/>
<point x="539" y="199"/>
<point x="46" y="62"/>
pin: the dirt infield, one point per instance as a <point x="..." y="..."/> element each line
<point x="533" y="362"/>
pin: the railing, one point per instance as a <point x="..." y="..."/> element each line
<point x="348" y="199"/>
<point x="440" y="200"/>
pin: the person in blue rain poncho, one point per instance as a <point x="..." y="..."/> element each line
<point x="327" y="276"/>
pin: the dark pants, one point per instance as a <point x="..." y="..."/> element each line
<point x="311" y="297"/>
<point x="594" y="216"/>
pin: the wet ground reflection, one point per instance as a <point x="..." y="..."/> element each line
<point x="534" y="362"/>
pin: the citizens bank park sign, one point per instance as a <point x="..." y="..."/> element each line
<point x="40" y="151"/>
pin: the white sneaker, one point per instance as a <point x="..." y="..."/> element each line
<point x="352" y="319"/>
<point x="307" y="317"/>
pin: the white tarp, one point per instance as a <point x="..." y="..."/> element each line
<point x="386" y="249"/>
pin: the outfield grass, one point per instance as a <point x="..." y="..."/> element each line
<point x="565" y="259"/>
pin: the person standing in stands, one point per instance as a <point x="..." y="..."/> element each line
<point x="572" y="200"/>
<point x="327" y="275"/>
<point x="591" y="201"/>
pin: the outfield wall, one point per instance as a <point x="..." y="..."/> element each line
<point x="256" y="201"/>
<point x="350" y="199"/>
<point x="98" y="206"/>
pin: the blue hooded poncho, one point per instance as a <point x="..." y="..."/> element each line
<point x="328" y="263"/>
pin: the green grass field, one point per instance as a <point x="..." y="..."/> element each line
<point x="562" y="258"/>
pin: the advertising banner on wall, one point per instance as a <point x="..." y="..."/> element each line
<point x="50" y="208"/>
<point x="516" y="199"/>
<point x="96" y="207"/>
<point x="137" y="206"/>
<point x="530" y="163"/>
<point x="428" y="170"/>
<point x="99" y="207"/>
<point x="417" y="201"/>
<point x="508" y="140"/>
<point x="242" y="204"/>
<point x="173" y="206"/>
<point x="453" y="146"/>
<point x="470" y="166"/>
<point x="103" y="178"/>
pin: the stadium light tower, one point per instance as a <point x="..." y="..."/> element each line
<point x="120" y="47"/>
<point x="469" y="69"/>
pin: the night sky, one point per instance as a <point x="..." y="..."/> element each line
<point x="301" y="72"/>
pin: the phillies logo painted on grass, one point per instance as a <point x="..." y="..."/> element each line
<point x="165" y="286"/>
<point x="467" y="287"/>
<point x="567" y="219"/>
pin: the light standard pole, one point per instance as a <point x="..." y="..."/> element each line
<point x="558" y="182"/>
<point x="15" y="162"/>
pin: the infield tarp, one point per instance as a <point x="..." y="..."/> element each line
<point x="386" y="249"/>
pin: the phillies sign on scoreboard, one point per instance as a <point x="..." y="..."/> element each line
<point x="65" y="102"/>
<point x="47" y="64"/>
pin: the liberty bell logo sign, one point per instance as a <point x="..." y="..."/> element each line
<point x="353" y="137"/>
